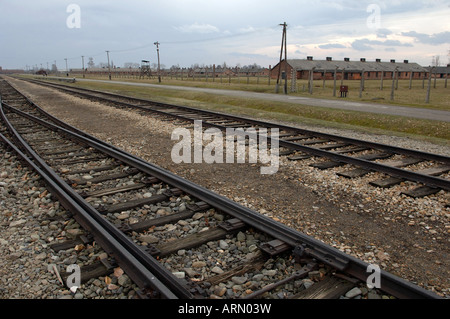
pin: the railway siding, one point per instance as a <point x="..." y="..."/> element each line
<point x="181" y="254"/>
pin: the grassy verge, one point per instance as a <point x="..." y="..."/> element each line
<point x="434" y="131"/>
<point x="403" y="96"/>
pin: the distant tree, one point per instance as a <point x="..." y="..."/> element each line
<point x="436" y="61"/>
<point x="91" y="63"/>
<point x="131" y="65"/>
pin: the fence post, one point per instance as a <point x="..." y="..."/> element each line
<point x="410" y="80"/>
<point x="393" y="83"/>
<point x="361" y="85"/>
<point x="382" y="77"/>
<point x="446" y="77"/>
<point x="311" y="80"/>
<point x="334" y="85"/>
<point x="294" y="81"/>
<point x="427" y="100"/>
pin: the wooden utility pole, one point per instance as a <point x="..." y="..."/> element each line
<point x="283" y="45"/>
<point x="159" y="66"/>
<point x="285" y="58"/>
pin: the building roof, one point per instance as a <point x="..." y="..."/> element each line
<point x="354" y="66"/>
<point x="440" y="69"/>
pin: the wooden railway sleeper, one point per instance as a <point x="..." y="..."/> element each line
<point x="127" y="172"/>
<point x="228" y="227"/>
<point x="295" y="276"/>
<point x="191" y="209"/>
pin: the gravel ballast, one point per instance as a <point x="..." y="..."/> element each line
<point x="31" y="221"/>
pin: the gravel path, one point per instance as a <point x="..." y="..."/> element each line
<point x="407" y="237"/>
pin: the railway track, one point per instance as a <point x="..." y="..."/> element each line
<point x="179" y="241"/>
<point x="397" y="164"/>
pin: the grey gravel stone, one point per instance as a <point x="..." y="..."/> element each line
<point x="353" y="292"/>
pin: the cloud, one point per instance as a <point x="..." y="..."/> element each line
<point x="361" y="45"/>
<point x="247" y="29"/>
<point x="300" y="52"/>
<point x="332" y="46"/>
<point x="247" y="55"/>
<point x="383" y="33"/>
<point x="437" y="38"/>
<point x="197" y="28"/>
<point x="366" y="44"/>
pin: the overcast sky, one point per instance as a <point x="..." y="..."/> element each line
<point x="213" y="32"/>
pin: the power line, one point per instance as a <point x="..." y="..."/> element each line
<point x="228" y="36"/>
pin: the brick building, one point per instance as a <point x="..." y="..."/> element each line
<point x="10" y="71"/>
<point x="349" y="70"/>
<point x="440" y="72"/>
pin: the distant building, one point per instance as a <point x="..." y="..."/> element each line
<point x="440" y="72"/>
<point x="10" y="71"/>
<point x="349" y="70"/>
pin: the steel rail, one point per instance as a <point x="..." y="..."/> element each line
<point x="390" y="283"/>
<point x="374" y="145"/>
<point x="137" y="272"/>
<point x="428" y="180"/>
<point x="112" y="239"/>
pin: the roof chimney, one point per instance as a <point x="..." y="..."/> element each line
<point x="309" y="58"/>
<point x="329" y="58"/>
